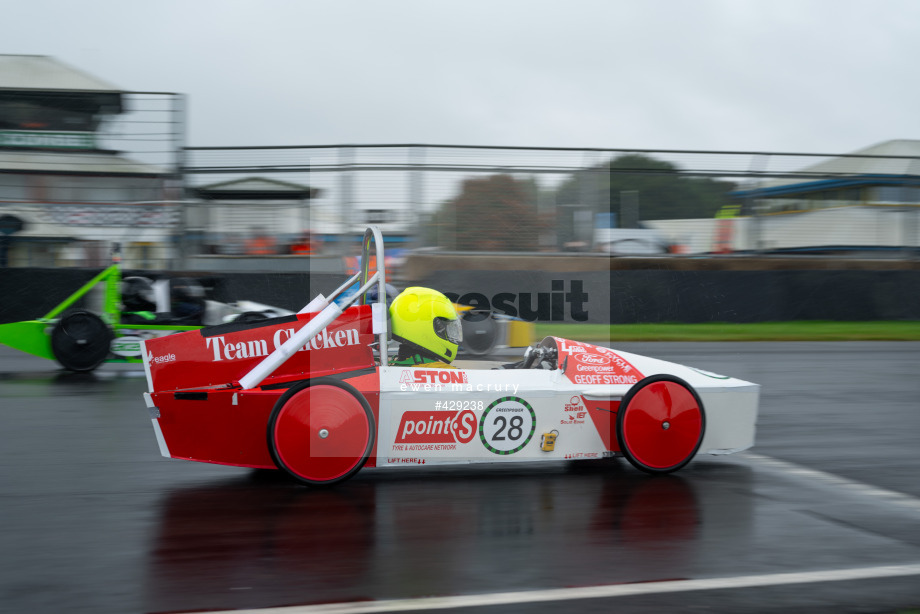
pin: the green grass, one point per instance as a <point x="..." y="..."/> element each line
<point x="761" y="331"/>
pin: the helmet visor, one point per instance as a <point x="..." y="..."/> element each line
<point x="448" y="329"/>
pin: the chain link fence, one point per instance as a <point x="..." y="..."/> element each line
<point x="165" y="202"/>
<point x="618" y="201"/>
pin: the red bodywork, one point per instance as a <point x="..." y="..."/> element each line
<point x="206" y="416"/>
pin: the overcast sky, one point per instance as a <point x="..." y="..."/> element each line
<point x="776" y="75"/>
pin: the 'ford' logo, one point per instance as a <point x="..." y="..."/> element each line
<point x="592" y="359"/>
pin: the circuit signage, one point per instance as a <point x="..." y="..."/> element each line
<point x="47" y="140"/>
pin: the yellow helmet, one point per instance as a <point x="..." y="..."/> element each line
<point x="426" y="319"/>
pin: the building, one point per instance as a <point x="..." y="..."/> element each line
<point x="864" y="201"/>
<point x="74" y="196"/>
<point x="252" y="215"/>
<point x="886" y="174"/>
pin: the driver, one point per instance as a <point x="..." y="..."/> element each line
<point x="426" y="325"/>
<point x="137" y="300"/>
<point x="137" y="294"/>
<point x="186" y="300"/>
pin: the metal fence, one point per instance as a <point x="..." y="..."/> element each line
<point x="569" y="199"/>
<point x="220" y="200"/>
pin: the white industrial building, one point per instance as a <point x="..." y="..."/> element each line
<point x="868" y="200"/>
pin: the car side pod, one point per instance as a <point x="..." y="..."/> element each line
<point x="660" y="424"/>
<point x="321" y="431"/>
<point x="28" y="336"/>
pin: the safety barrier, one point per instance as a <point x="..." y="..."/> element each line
<point x="617" y="296"/>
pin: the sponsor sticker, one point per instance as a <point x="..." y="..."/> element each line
<point x="128" y="346"/>
<point x="575" y="412"/>
<point x="507" y="425"/>
<point x="436" y="427"/>
<point x="157" y="360"/>
<point x="224" y="349"/>
<point x="593" y="359"/>
<point x="596" y="365"/>
<point x="433" y="376"/>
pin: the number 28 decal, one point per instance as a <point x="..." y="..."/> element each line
<point x="507" y="425"/>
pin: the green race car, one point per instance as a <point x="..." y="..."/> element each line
<point x="81" y="338"/>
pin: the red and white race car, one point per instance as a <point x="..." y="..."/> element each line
<point x="312" y="394"/>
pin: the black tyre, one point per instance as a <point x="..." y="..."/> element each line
<point x="80" y="341"/>
<point x="480" y="332"/>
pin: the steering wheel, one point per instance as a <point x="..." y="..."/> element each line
<point x="531" y="355"/>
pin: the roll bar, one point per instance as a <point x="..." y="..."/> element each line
<point x="329" y="311"/>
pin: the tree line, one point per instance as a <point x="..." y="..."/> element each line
<point x="506" y="213"/>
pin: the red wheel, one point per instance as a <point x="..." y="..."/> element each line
<point x="660" y="424"/>
<point x="321" y="432"/>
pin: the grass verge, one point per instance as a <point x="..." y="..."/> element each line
<point x="760" y="331"/>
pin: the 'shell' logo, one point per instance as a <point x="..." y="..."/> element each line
<point x="432" y="376"/>
<point x="436" y="427"/>
<point x="574" y="412"/>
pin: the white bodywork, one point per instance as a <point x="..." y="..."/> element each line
<point x="730" y="406"/>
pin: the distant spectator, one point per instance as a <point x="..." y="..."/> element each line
<point x="304" y="245"/>
<point x="261" y="244"/>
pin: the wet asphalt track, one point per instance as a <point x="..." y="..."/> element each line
<point x="92" y="519"/>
